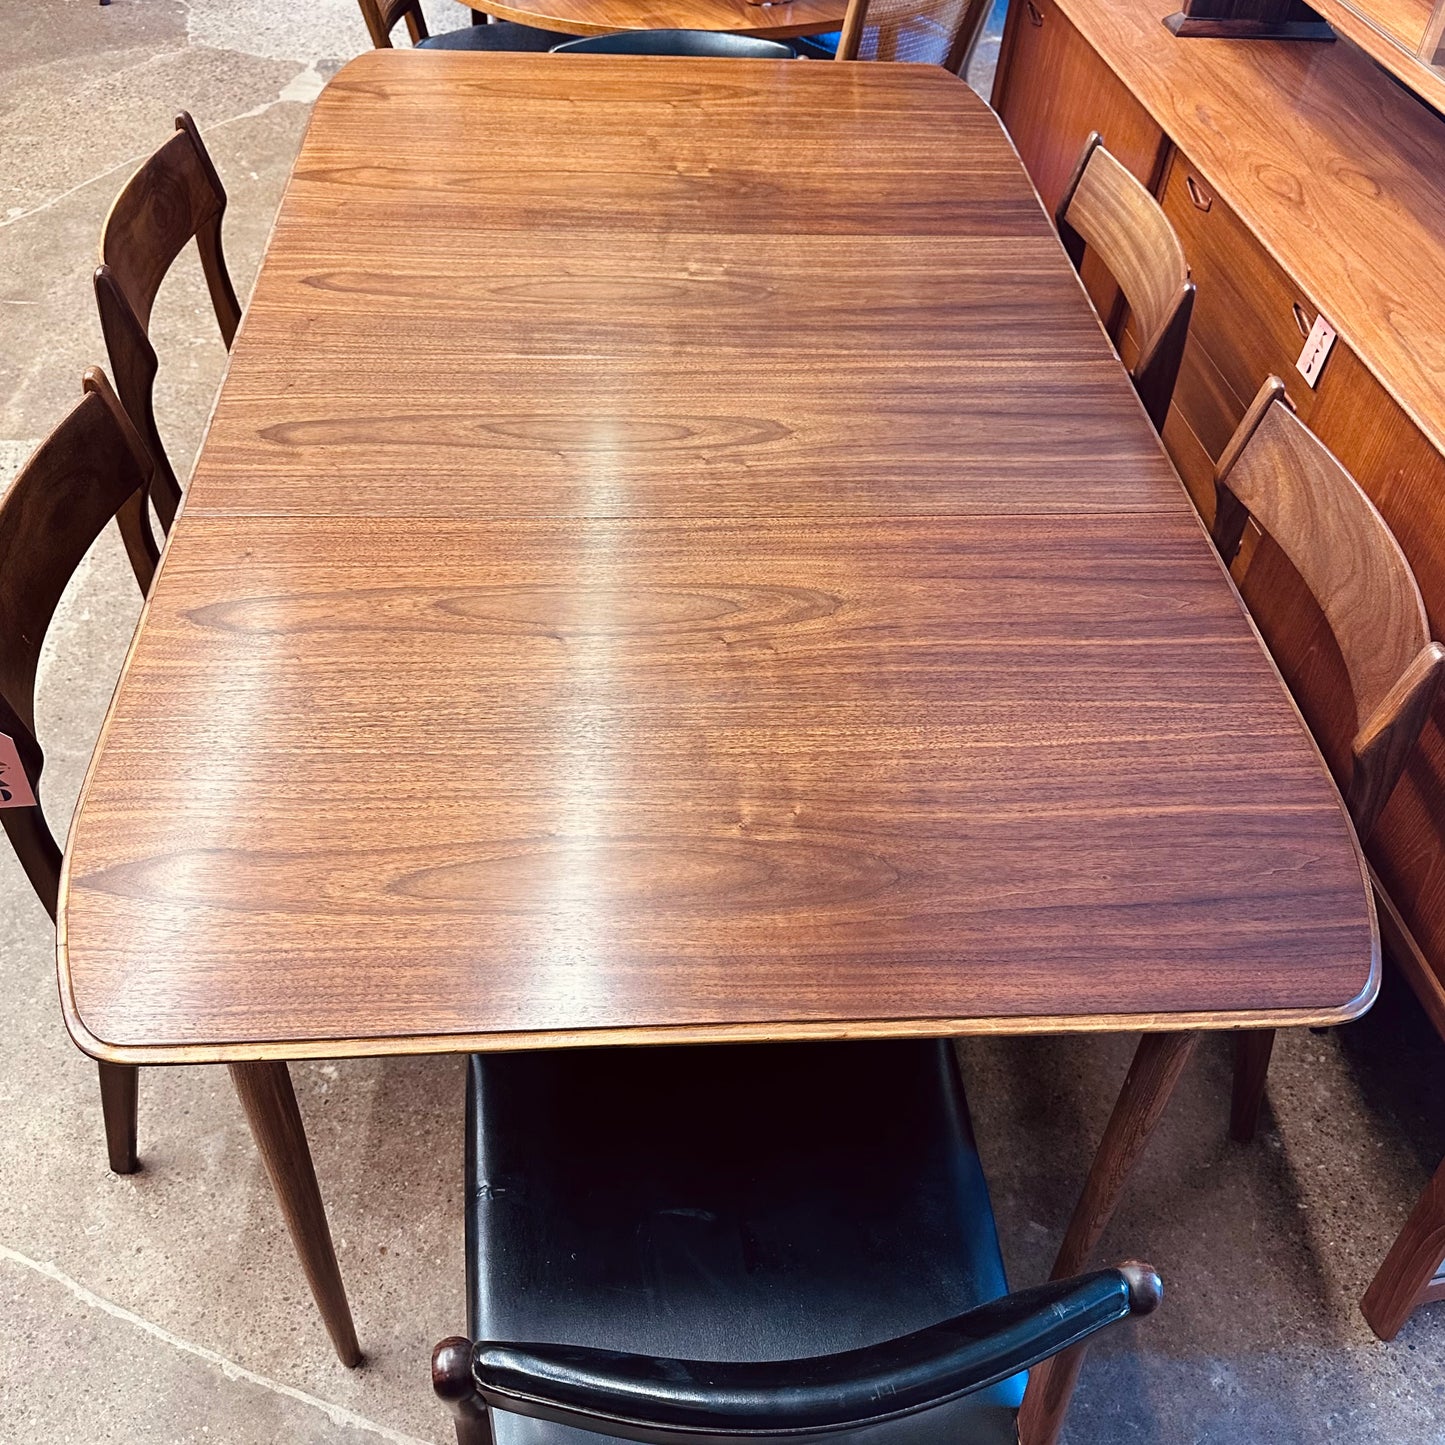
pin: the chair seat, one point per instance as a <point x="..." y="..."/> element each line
<point x="499" y="35"/>
<point x="740" y="1202"/>
<point x="697" y="44"/>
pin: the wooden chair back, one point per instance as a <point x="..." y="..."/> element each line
<point x="175" y="197"/>
<point x="381" y="17"/>
<point x="1276" y="471"/>
<point x="92" y="467"/>
<point x="925" y="32"/>
<point x="1106" y="210"/>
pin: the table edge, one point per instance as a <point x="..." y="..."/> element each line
<point x="797" y="1032"/>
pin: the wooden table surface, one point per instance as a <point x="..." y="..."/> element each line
<point x="674" y="557"/>
<point x="775" y="21"/>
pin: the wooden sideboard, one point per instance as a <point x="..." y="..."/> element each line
<point x="1302" y="179"/>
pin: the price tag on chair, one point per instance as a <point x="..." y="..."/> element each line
<point x="15" y="790"/>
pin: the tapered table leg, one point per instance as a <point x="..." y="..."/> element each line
<point x="1158" y="1063"/>
<point x="270" y="1104"/>
<point x="119" y="1100"/>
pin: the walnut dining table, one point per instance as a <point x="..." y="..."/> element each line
<point x="675" y="558"/>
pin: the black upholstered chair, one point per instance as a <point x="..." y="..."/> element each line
<point x="694" y="1245"/>
<point x="705" y="43"/>
<point x="381" y="17"/>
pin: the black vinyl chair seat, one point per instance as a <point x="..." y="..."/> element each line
<point x="499" y="35"/>
<point x="651" y="1231"/>
<point x="716" y="44"/>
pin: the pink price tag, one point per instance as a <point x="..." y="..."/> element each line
<point x="15" y="790"/>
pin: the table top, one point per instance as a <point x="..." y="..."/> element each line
<point x="675" y="558"/>
<point x="776" y="21"/>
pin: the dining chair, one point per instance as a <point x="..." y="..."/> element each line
<point x="174" y="198"/>
<point x="782" y="1240"/>
<point x="923" y="32"/>
<point x="1107" y="211"/>
<point x="715" y="44"/>
<point x="1275" y="471"/>
<point x="381" y="17"/>
<point x="93" y="467"/>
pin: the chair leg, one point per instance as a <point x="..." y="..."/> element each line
<point x="1407" y="1276"/>
<point x="119" y="1103"/>
<point x="1251" y="1064"/>
<point x="264" y="1089"/>
<point x="451" y="1378"/>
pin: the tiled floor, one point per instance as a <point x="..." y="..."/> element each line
<point x="167" y="1307"/>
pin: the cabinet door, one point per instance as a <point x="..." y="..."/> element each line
<point x="1051" y="91"/>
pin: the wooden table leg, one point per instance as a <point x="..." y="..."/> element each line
<point x="1158" y="1063"/>
<point x="270" y="1104"/>
<point x="119" y="1101"/>
<point x="1407" y="1277"/>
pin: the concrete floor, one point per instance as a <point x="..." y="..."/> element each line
<point x="167" y="1307"/>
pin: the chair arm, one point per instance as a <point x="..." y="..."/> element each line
<point x="641" y="1397"/>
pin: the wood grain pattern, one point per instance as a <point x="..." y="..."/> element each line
<point x="673" y="282"/>
<point x="1337" y="173"/>
<point x="747" y="678"/>
<point x="699" y="773"/>
<point x="739" y="17"/>
<point x="1276" y="471"/>
<point x="1111" y="213"/>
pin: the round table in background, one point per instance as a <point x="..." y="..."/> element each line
<point x="604" y="17"/>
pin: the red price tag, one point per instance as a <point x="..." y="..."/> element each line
<point x="15" y="790"/>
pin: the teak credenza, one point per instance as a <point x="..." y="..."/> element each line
<point x="1303" y="181"/>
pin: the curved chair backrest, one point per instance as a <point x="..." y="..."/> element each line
<point x="664" y="1401"/>
<point x="925" y="32"/>
<point x="381" y="17"/>
<point x="92" y="467"/>
<point x="1106" y="209"/>
<point x="704" y="43"/>
<point x="1278" y="472"/>
<point x="175" y="197"/>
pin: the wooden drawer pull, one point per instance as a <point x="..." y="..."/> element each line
<point x="1036" y="16"/>
<point x="1300" y="319"/>
<point x="1201" y="198"/>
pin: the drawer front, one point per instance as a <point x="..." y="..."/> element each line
<point x="1249" y="319"/>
